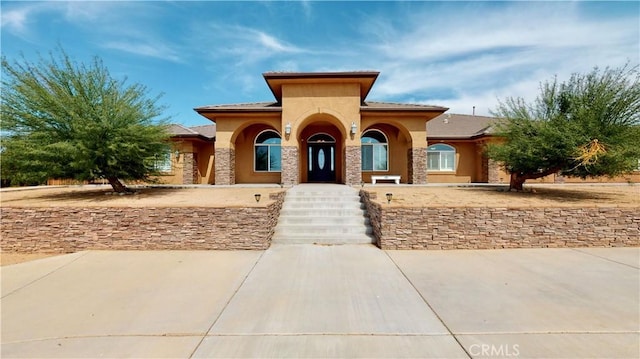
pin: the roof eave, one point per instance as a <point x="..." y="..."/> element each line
<point x="433" y="109"/>
<point x="367" y="79"/>
<point x="199" y="137"/>
<point x="237" y="110"/>
<point x="472" y="137"/>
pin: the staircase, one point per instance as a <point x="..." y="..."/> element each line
<point x="323" y="214"/>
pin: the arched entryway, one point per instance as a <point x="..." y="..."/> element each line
<point x="322" y="153"/>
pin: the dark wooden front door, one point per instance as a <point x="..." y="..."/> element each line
<point x="322" y="166"/>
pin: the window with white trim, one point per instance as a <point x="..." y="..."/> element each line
<point x="162" y="161"/>
<point x="375" y="151"/>
<point x="441" y="157"/>
<point x="267" y="152"/>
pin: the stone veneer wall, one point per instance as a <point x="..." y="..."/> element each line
<point x="290" y="172"/>
<point x="67" y="229"/>
<point x="417" y="165"/>
<point x="353" y="165"/>
<point x="490" y="228"/>
<point x="189" y="169"/>
<point x="493" y="170"/>
<point x="225" y="163"/>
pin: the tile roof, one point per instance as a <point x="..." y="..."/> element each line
<point x="177" y="130"/>
<point x="392" y="106"/>
<point x="445" y="126"/>
<point x="206" y="130"/>
<point x="241" y="107"/>
<point x="456" y="126"/>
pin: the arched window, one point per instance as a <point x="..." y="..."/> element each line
<point x="441" y="157"/>
<point x="375" y="151"/>
<point x="268" y="156"/>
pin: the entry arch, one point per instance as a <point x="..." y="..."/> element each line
<point x="318" y="128"/>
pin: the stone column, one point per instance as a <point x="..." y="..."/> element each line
<point x="353" y="165"/>
<point x="493" y="169"/>
<point x="225" y="166"/>
<point x="290" y="172"/>
<point x="417" y="162"/>
<point x="188" y="165"/>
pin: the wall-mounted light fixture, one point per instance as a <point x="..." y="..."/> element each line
<point x="389" y="197"/>
<point x="177" y="154"/>
<point x="354" y="128"/>
<point x="287" y="128"/>
<point x="257" y="197"/>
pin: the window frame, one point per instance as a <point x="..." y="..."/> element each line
<point x="451" y="151"/>
<point x="384" y="145"/>
<point x="268" y="146"/>
<point x="162" y="162"/>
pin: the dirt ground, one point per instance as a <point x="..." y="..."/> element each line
<point x="403" y="195"/>
<point x="103" y="196"/>
<point x="533" y="196"/>
<point x="433" y="196"/>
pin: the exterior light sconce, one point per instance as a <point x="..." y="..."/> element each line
<point x="361" y="184"/>
<point x="287" y="129"/>
<point x="354" y="128"/>
<point x="389" y="197"/>
<point x="177" y="154"/>
<point x="257" y="197"/>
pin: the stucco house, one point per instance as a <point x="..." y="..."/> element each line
<point x="322" y="128"/>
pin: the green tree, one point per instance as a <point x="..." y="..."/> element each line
<point x="588" y="126"/>
<point x="62" y="119"/>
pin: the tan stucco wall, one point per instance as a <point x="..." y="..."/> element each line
<point x="245" y="170"/>
<point x="399" y="143"/>
<point x="468" y="166"/>
<point x="203" y="153"/>
<point x="302" y="103"/>
<point x="175" y="176"/>
<point x="205" y="162"/>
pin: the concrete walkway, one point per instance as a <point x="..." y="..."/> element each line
<point x="349" y="301"/>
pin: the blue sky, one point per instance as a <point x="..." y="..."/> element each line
<point x="453" y="54"/>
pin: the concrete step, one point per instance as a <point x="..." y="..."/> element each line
<point x="322" y="229"/>
<point x="314" y="239"/>
<point x="323" y="214"/>
<point x="325" y="220"/>
<point x="301" y="199"/>
<point x="322" y="205"/>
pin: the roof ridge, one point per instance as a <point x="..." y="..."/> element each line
<point x="184" y="128"/>
<point x="399" y="103"/>
<point x="211" y="124"/>
<point x="244" y="103"/>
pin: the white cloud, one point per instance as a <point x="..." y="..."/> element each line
<point x="144" y="48"/>
<point x="474" y="58"/>
<point x="15" y="20"/>
<point x="271" y="43"/>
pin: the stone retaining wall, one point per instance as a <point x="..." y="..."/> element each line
<point x="485" y="228"/>
<point x="66" y="229"/>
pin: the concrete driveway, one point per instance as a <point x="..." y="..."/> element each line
<point x="351" y="301"/>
